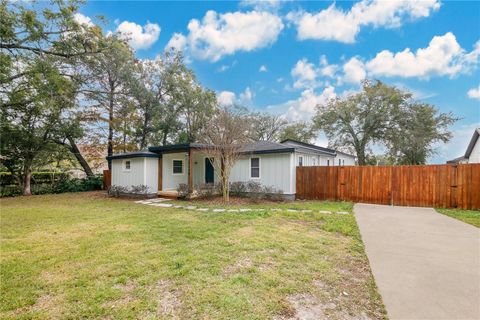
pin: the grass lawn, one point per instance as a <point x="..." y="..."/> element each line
<point x="87" y="256"/>
<point x="469" y="216"/>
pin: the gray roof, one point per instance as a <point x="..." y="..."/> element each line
<point x="266" y="147"/>
<point x="457" y="160"/>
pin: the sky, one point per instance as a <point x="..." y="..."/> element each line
<point x="285" y="57"/>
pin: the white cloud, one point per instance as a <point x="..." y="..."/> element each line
<point x="443" y="56"/>
<point x="223" y="34"/>
<point x="177" y="42"/>
<point x="263" y="68"/>
<point x="474" y="93"/>
<point x="262" y="5"/>
<point x="226" y="98"/>
<point x="139" y="37"/>
<point x="245" y="98"/>
<point x="82" y="19"/>
<point x="354" y="71"/>
<point x="304" y="107"/>
<point x="335" y="24"/>
<point x="304" y="73"/>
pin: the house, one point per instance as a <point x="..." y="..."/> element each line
<point x="271" y="164"/>
<point x="472" y="155"/>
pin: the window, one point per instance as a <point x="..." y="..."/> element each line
<point x="339" y="162"/>
<point x="328" y="162"/>
<point x="314" y="161"/>
<point x="255" y="168"/>
<point x="300" y="161"/>
<point x="126" y="165"/>
<point x="343" y="161"/>
<point x="177" y="166"/>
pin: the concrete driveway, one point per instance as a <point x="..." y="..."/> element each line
<point x="426" y="265"/>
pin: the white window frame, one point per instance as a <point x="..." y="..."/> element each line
<point x="183" y="167"/>
<point x="124" y="165"/>
<point x="259" y="167"/>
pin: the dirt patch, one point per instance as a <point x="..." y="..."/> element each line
<point x="48" y="304"/>
<point x="239" y="266"/>
<point x="218" y="201"/>
<point x="168" y="300"/>
<point x="127" y="295"/>
<point x="309" y="307"/>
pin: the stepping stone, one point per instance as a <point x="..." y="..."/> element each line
<point x="292" y="210"/>
<point x="342" y="212"/>
<point x="165" y="205"/>
<point x="158" y="200"/>
<point x="178" y="207"/>
<point x="276" y="209"/>
<point x="218" y="210"/>
<point x="202" y="209"/>
<point x="245" y="210"/>
<point x="233" y="210"/>
<point x="190" y="208"/>
<point x="325" y="212"/>
<point x="306" y="210"/>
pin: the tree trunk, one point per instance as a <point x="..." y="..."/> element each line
<point x="26" y="179"/>
<point x="81" y="160"/>
<point x="110" y="131"/>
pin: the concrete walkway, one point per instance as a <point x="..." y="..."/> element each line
<point x="426" y="265"/>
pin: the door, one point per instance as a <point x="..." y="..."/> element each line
<point x="209" y="171"/>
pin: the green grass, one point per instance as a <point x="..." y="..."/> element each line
<point x="469" y="216"/>
<point x="87" y="256"/>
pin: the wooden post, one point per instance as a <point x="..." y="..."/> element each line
<point x="190" y="169"/>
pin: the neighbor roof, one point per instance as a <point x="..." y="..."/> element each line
<point x="472" y="143"/>
<point x="456" y="160"/>
<point x="137" y="154"/>
<point x="307" y="147"/>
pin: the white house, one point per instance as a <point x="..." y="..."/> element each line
<point x="271" y="164"/>
<point x="472" y="155"/>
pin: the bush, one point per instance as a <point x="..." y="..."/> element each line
<point x="207" y="190"/>
<point x="116" y="191"/>
<point x="255" y="190"/>
<point x="183" y="190"/>
<point x="140" y="189"/>
<point x="10" y="191"/>
<point x="6" y="178"/>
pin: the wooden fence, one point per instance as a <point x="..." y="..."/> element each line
<point x="444" y="186"/>
<point x="107" y="179"/>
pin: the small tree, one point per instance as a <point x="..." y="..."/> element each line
<point x="224" y="138"/>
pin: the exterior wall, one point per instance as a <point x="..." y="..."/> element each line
<point x="310" y="159"/>
<point x="345" y="159"/>
<point x="199" y="169"/>
<point x="475" y="155"/>
<point x="143" y="171"/>
<point x="275" y="170"/>
<point x="171" y="181"/>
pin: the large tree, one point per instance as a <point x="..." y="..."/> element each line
<point x="225" y="136"/>
<point x="299" y="131"/>
<point x="412" y="138"/>
<point x="381" y="114"/>
<point x="266" y="127"/>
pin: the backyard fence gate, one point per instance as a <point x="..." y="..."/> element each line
<point x="443" y="186"/>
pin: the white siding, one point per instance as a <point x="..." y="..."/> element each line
<point x="199" y="169"/>
<point x="143" y="171"/>
<point x="171" y="181"/>
<point x="345" y="159"/>
<point x="475" y="155"/>
<point x="275" y="171"/>
<point x="310" y="159"/>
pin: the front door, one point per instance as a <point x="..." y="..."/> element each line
<point x="208" y="171"/>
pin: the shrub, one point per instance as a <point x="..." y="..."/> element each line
<point x="140" y="189"/>
<point x="183" y="190"/>
<point x="238" y="188"/>
<point x="255" y="190"/>
<point x="116" y="191"/>
<point x="206" y="190"/>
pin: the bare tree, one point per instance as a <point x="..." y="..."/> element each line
<point x="225" y="137"/>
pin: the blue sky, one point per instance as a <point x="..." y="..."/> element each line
<point x="285" y="57"/>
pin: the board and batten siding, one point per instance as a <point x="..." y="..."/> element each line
<point x="310" y="159"/>
<point x="276" y="170"/>
<point x="143" y="171"/>
<point x="475" y="155"/>
<point x="171" y="181"/>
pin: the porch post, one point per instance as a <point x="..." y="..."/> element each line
<point x="190" y="169"/>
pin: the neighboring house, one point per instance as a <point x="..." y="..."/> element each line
<point x="472" y="155"/>
<point x="272" y="164"/>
